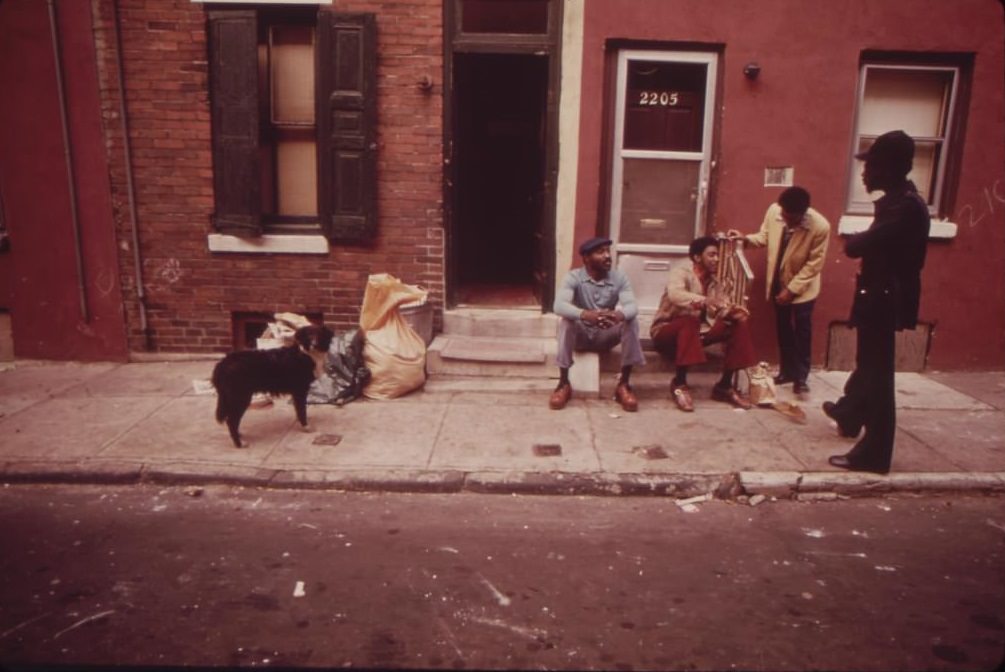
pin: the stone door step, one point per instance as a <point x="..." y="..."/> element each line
<point x="461" y="355"/>
<point x="483" y="349"/>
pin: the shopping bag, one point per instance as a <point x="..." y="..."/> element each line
<point x="761" y="391"/>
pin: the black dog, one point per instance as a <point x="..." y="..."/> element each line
<point x="287" y="370"/>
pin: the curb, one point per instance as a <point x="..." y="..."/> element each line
<point x="803" y="486"/>
<point x="792" y="483"/>
<point x="430" y="482"/>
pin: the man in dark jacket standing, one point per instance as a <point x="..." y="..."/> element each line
<point x="887" y="293"/>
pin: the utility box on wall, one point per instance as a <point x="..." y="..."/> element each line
<point x="912" y="347"/>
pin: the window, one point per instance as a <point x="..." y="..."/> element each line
<point x="504" y="16"/>
<point x="920" y="99"/>
<point x="288" y="140"/>
<point x="293" y="100"/>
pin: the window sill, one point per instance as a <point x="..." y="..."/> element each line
<point x="269" y="244"/>
<point x="850" y="224"/>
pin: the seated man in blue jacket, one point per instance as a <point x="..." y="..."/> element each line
<point x="598" y="311"/>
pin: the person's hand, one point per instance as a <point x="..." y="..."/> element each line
<point x="733" y="233"/>
<point x="615" y="316"/>
<point x="608" y="318"/>
<point x="591" y="317"/>
<point x="737" y="314"/>
<point x="715" y="305"/>
<point x="784" y="297"/>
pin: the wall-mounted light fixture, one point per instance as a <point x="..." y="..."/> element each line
<point x="751" y="70"/>
<point x="425" y="84"/>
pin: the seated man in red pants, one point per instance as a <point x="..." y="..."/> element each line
<point x="690" y="317"/>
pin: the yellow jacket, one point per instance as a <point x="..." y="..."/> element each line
<point x="804" y="256"/>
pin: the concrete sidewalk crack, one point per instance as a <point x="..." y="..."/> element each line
<point x="439" y="432"/>
<point x="108" y="444"/>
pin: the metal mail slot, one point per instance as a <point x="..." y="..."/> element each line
<point x="656" y="266"/>
<point x="652" y="223"/>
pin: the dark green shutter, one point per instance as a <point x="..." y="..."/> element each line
<point x="346" y="123"/>
<point x="233" y="61"/>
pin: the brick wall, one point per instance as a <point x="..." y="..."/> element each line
<point x="190" y="292"/>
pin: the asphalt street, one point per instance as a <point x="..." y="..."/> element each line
<point x="248" y="577"/>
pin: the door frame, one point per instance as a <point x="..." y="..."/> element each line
<point x="617" y="153"/>
<point x="455" y="41"/>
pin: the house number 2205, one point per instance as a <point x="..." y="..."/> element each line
<point x="664" y="98"/>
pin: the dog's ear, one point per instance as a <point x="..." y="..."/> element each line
<point x="325" y="338"/>
<point x="304" y="336"/>
<point x="358" y="340"/>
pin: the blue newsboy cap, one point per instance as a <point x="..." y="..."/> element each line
<point x="592" y="244"/>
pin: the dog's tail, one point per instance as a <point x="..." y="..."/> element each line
<point x="221" y="407"/>
<point x="221" y="412"/>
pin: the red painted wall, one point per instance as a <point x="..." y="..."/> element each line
<point x="800" y="112"/>
<point x="39" y="274"/>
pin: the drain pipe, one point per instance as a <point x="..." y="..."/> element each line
<point x="141" y="295"/>
<point x="70" y="177"/>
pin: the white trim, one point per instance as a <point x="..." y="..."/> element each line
<point x="267" y="2"/>
<point x="850" y="224"/>
<point x="268" y="244"/>
<point x="647" y="248"/>
<point x="569" y="111"/>
<point x="658" y="154"/>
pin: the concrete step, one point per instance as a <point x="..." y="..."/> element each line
<point x="500" y="323"/>
<point x="484" y="349"/>
<point x="482" y="362"/>
<point x="489" y="356"/>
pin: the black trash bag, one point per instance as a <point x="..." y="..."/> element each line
<point x="345" y="375"/>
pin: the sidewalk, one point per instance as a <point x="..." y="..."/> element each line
<point x="145" y="422"/>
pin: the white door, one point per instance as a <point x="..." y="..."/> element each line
<point x="661" y="161"/>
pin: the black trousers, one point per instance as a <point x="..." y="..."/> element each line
<point x="868" y="399"/>
<point x="794" y="324"/>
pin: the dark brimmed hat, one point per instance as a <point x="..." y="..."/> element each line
<point x="592" y="244"/>
<point x="894" y="150"/>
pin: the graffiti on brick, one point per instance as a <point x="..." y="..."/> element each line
<point x="161" y="274"/>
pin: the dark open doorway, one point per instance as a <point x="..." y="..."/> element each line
<point x="500" y="113"/>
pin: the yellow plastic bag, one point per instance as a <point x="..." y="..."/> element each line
<point x="394" y="353"/>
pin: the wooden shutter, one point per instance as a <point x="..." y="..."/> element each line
<point x="346" y="123"/>
<point x="233" y="57"/>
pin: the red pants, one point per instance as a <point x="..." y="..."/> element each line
<point x="681" y="340"/>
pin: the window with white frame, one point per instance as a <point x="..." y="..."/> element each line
<point x="921" y="100"/>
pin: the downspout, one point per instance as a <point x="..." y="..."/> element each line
<point x="70" y="177"/>
<point x="141" y="295"/>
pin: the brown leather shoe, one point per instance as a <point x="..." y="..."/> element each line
<point x="682" y="397"/>
<point x="560" y="397"/>
<point x="624" y="395"/>
<point x="730" y="395"/>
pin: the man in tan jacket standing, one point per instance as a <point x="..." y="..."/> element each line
<point x="796" y="236"/>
